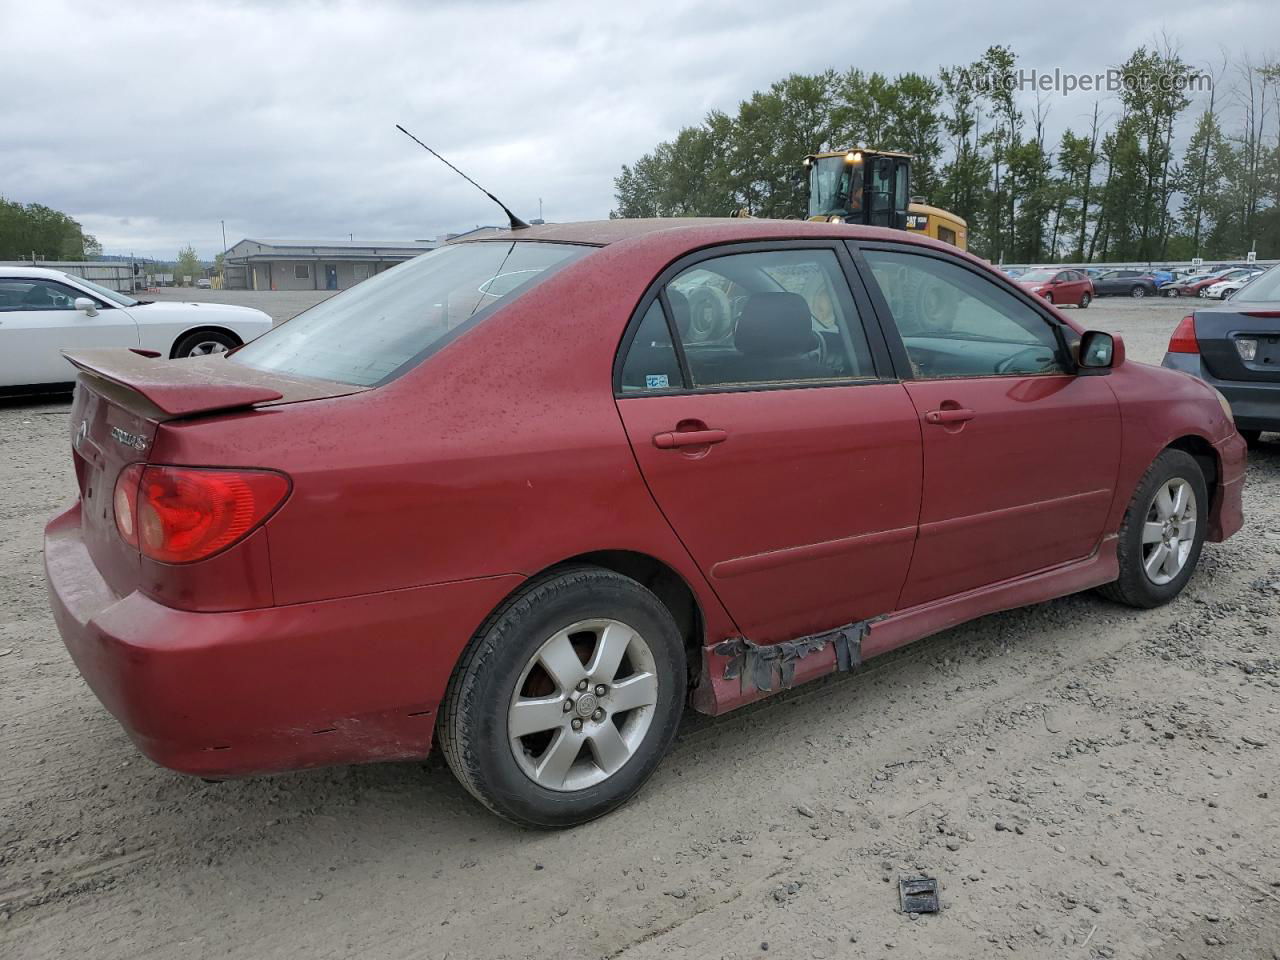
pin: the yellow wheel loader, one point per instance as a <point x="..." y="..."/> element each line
<point x="873" y="187"/>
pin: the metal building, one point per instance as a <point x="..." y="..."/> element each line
<point x="313" y="264"/>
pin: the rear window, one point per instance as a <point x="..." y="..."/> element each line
<point x="385" y="325"/>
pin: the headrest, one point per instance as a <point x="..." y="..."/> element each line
<point x="680" y="311"/>
<point x="774" y="325"/>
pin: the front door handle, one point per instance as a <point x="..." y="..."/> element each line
<point x="950" y="415"/>
<point x="688" y="438"/>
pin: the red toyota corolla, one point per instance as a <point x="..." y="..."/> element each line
<point x="532" y="492"/>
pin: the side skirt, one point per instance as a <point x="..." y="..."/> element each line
<point x="736" y="671"/>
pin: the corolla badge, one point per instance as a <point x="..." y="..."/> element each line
<point x="129" y="439"/>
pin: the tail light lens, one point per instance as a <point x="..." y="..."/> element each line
<point x="184" y="514"/>
<point x="1184" y="337"/>
<point x="125" y="502"/>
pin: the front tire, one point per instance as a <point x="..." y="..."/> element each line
<point x="566" y="700"/>
<point x="1162" y="532"/>
<point x="204" y="342"/>
<point x="1085" y="300"/>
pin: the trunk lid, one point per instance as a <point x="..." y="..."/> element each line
<point x="1218" y="330"/>
<point x="122" y="401"/>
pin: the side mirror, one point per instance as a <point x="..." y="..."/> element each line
<point x="86" y="306"/>
<point x="1100" y="352"/>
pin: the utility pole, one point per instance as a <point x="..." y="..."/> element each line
<point x="224" y="235"/>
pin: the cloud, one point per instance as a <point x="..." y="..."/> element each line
<point x="152" y="122"/>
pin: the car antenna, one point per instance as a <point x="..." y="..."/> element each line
<point x="516" y="222"/>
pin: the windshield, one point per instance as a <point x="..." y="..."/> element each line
<point x="1266" y="286"/>
<point x="832" y="184"/>
<point x="111" y="296"/>
<point x="1038" y="276"/>
<point x="385" y="325"/>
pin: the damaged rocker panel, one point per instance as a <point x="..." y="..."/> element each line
<point x="772" y="667"/>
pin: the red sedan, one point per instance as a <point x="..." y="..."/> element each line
<point x="529" y="494"/>
<point x="1059" y="285"/>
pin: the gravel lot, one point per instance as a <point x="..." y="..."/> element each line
<point x="1085" y="780"/>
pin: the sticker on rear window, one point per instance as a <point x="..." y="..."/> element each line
<point x="656" y="381"/>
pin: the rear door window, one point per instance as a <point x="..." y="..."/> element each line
<point x="374" y="331"/>
<point x="772" y="317"/>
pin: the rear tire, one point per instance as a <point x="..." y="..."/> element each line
<point x="204" y="342"/>
<point x="1138" y="292"/>
<point x="524" y="669"/>
<point x="1148" y="528"/>
<point x="1085" y="300"/>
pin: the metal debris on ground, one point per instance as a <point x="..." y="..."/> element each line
<point x="918" y="894"/>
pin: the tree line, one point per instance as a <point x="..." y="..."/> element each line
<point x="1152" y="173"/>
<point x="32" y="228"/>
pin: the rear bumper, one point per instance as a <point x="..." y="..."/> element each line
<point x="278" y="688"/>
<point x="1255" y="404"/>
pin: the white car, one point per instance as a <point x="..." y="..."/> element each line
<point x="43" y="312"/>
<point x="1224" y="288"/>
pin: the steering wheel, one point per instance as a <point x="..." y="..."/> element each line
<point x="1027" y="353"/>
<point x="822" y="341"/>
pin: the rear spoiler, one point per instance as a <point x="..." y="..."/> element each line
<point x="184" y="388"/>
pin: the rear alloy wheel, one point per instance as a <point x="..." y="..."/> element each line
<point x="1170" y="292"/>
<point x="1138" y="292"/>
<point x="1085" y="300"/>
<point x="1203" y="293"/>
<point x="1162" y="533"/>
<point x="566" y="699"/>
<point x="202" y="343"/>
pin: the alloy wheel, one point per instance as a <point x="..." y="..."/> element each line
<point x="206" y="347"/>
<point x="583" y="705"/>
<point x="1169" y="532"/>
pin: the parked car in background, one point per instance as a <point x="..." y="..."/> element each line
<point x="1059" y="285"/>
<point x="1225" y="286"/>
<point x="1124" y="283"/>
<point x="1235" y="348"/>
<point x="577" y="475"/>
<point x="204" y="283"/>
<point x="1012" y="272"/>
<point x="1188" y="285"/>
<point x="43" y="312"/>
<point x="1162" y="276"/>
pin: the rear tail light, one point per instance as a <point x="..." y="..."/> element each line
<point x="125" y="502"/>
<point x="184" y="514"/>
<point x="1184" y="337"/>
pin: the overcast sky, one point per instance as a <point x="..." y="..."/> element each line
<point x="150" y="122"/>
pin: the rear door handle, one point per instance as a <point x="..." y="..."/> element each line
<point x="954" y="415"/>
<point x="688" y="438"/>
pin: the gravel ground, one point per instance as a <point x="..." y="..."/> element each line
<point x="1085" y="781"/>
